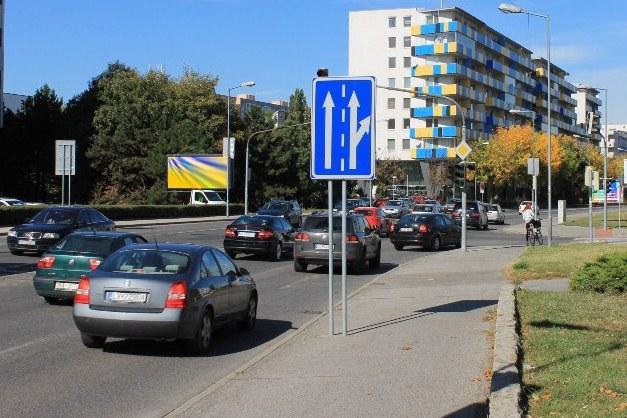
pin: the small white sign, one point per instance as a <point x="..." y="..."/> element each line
<point x="533" y="166"/>
<point x="65" y="157"/>
<point x="225" y="145"/>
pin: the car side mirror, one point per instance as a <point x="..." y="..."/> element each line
<point x="243" y="272"/>
<point x="231" y="276"/>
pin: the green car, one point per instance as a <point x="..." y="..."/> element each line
<point x="59" y="270"/>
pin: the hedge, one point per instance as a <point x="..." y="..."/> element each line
<point x="10" y="216"/>
<point x="607" y="274"/>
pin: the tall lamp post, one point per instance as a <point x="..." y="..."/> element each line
<point x="534" y="191"/>
<point x="511" y="8"/>
<point x="228" y="135"/>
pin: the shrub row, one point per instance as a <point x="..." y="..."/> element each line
<point x="608" y="274"/>
<point x="10" y="216"/>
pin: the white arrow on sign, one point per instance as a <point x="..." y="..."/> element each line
<point x="328" y="122"/>
<point x="356" y="135"/>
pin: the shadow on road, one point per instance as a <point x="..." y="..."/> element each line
<point x="475" y="410"/>
<point x="226" y="341"/>
<point x="466" y="305"/>
<point x="15" y="268"/>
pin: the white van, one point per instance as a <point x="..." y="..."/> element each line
<point x="206" y="197"/>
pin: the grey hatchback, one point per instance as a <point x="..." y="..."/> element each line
<point x="363" y="244"/>
<point x="164" y="291"/>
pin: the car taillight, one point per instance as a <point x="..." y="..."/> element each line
<point x="94" y="263"/>
<point x="46" y="262"/>
<point x="392" y="227"/>
<point x="423" y="228"/>
<point x="265" y="234"/>
<point x="230" y="232"/>
<point x="475" y="215"/>
<point x="177" y="295"/>
<point x="352" y="239"/>
<point x="82" y="293"/>
<point x="302" y="236"/>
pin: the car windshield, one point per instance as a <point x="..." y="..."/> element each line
<point x="213" y="196"/>
<point x="350" y="203"/>
<point x="254" y="221"/>
<point x="91" y="244"/>
<point x="14" y="202"/>
<point x="492" y="208"/>
<point x="54" y="216"/>
<point x="142" y="261"/>
<point x="469" y="206"/>
<point x="394" y="203"/>
<point x="321" y="224"/>
<point x="276" y="206"/>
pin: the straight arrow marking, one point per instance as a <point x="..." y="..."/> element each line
<point x="328" y="106"/>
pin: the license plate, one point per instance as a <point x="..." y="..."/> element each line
<point x="129" y="297"/>
<point x="322" y="246"/>
<point x="25" y="242"/>
<point x="246" y="234"/>
<point x="65" y="286"/>
<point x="406" y="229"/>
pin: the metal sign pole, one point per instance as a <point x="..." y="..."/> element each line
<point x="63" y="179"/>
<point x="69" y="179"/>
<point x="344" y="307"/>
<point x="330" y="192"/>
<point x="590" y="206"/>
<point x="464" y="212"/>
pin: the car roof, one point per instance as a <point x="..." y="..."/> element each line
<point x="108" y="234"/>
<point x="172" y="246"/>
<point x="365" y="208"/>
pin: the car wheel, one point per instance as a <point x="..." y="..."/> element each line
<point x="231" y="254"/>
<point x="277" y="252"/>
<point x="376" y="261"/>
<point x="202" y="340"/>
<point x="51" y="301"/>
<point x="251" y="314"/>
<point x="398" y="247"/>
<point x="16" y="252"/>
<point x="299" y="266"/>
<point x="92" y="341"/>
<point x="435" y="244"/>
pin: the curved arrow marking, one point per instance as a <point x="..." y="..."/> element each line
<point x="356" y="135"/>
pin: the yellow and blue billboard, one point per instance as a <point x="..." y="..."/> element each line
<point x="189" y="172"/>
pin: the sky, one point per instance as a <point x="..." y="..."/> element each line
<point x="277" y="43"/>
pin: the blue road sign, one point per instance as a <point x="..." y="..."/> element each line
<point x="342" y="128"/>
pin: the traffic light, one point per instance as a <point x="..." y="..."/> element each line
<point x="594" y="127"/>
<point x="459" y="175"/>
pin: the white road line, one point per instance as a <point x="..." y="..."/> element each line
<point x="343" y="115"/>
<point x="19" y="347"/>
<point x="343" y="90"/>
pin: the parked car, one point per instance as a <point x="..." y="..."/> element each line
<point x="271" y="236"/>
<point x="49" y="225"/>
<point x="396" y="208"/>
<point x="350" y="204"/>
<point x="8" y="201"/>
<point x="376" y="219"/>
<point x="450" y="205"/>
<point x="60" y="268"/>
<point x="164" y="291"/>
<point x="289" y="209"/>
<point x="427" y="230"/>
<point x="363" y="244"/>
<point x="476" y="214"/>
<point x="427" y="208"/>
<point x="495" y="213"/>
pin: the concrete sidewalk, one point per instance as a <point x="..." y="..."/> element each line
<point x="419" y="345"/>
<point x="576" y="232"/>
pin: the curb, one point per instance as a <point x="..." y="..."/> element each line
<point x="506" y="390"/>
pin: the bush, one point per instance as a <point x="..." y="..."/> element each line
<point x="607" y="274"/>
<point x="11" y="216"/>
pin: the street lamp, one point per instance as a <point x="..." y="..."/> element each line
<point x="228" y="135"/>
<point x="511" y="8"/>
<point x="534" y="189"/>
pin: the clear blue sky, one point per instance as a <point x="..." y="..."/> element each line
<point x="277" y="43"/>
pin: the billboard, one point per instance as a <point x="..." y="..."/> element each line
<point x="613" y="196"/>
<point x="188" y="172"/>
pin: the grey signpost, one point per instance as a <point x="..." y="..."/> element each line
<point x="342" y="148"/>
<point x="65" y="165"/>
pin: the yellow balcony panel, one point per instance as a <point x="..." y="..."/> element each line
<point x="452" y="47"/>
<point x="415" y="30"/>
<point x="449" y="89"/>
<point x="423" y="70"/>
<point x="439" y="48"/>
<point x="424" y="132"/>
<point x="452" y="153"/>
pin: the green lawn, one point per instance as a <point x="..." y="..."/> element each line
<point x="575" y="353"/>
<point x="558" y="260"/>
<point x="597" y="219"/>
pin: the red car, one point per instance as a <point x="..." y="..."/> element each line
<point x="380" y="202"/>
<point x="376" y="219"/>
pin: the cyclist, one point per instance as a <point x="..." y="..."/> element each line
<point x="527" y="215"/>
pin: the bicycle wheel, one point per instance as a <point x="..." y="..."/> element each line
<point x="539" y="238"/>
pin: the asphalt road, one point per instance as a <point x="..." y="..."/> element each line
<point x="46" y="371"/>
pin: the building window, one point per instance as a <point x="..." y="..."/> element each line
<point x="431" y="19"/>
<point x="391" y="144"/>
<point x="406" y="143"/>
<point x="406" y="21"/>
<point x="392" y="42"/>
<point x="407" y="41"/>
<point x="391" y="82"/>
<point x="391" y="103"/>
<point x="406" y="82"/>
<point x="406" y="102"/>
<point x="391" y="22"/>
<point x="392" y="62"/>
<point x="391" y="123"/>
<point x="406" y="62"/>
<point x="406" y="123"/>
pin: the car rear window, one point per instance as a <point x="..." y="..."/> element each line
<point x="365" y="212"/>
<point x="91" y="244"/>
<point x="277" y="206"/>
<point x="469" y="206"/>
<point x="423" y="208"/>
<point x="142" y="261"/>
<point x="492" y="208"/>
<point x="55" y="216"/>
<point x="321" y="224"/>
<point x="415" y="219"/>
<point x="254" y="221"/>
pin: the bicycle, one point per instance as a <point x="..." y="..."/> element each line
<point x="534" y="233"/>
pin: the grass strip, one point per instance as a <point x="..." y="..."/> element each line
<point x="597" y="219"/>
<point x="558" y="260"/>
<point x="575" y="353"/>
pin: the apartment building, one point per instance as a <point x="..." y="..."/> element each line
<point x="617" y="140"/>
<point x="278" y="108"/>
<point x="588" y="102"/>
<point x="451" y="53"/>
<point x="14" y="102"/>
